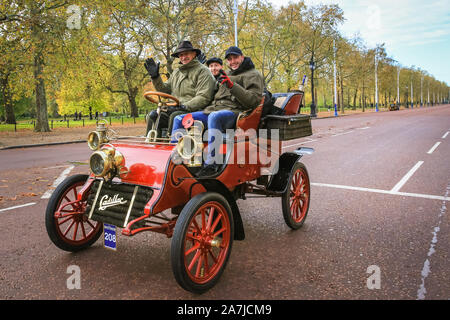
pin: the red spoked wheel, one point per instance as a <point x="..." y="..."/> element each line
<point x="295" y="200"/>
<point x="67" y="225"/>
<point x="202" y="242"/>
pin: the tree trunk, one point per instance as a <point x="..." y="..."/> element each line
<point x="10" y="117"/>
<point x="133" y="105"/>
<point x="41" y="100"/>
<point x="342" y="95"/>
<point x="363" y="98"/>
<point x="313" y="104"/>
<point x="348" y="97"/>
<point x="354" y="99"/>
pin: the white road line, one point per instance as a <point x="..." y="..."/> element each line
<point x="364" y="128"/>
<point x="61" y="177"/>
<point x="341" y="134"/>
<point x="20" y="206"/>
<point x="298" y="144"/>
<point x="426" y="266"/>
<point x="337" y="186"/>
<point x="400" y="184"/>
<point x="433" y="148"/>
<point x="56" y="167"/>
<point x="445" y="135"/>
<point x="405" y="194"/>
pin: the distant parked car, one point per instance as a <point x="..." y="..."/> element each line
<point x="393" y="107"/>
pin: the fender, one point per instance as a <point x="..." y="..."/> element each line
<point x="217" y="186"/>
<point x="278" y="182"/>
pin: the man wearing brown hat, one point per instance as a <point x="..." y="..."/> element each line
<point x="191" y="83"/>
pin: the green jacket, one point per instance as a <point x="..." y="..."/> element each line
<point x="246" y="93"/>
<point x="192" y="83"/>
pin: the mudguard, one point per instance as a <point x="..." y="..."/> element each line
<point x="278" y="182"/>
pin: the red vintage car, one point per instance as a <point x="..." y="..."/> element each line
<point x="150" y="184"/>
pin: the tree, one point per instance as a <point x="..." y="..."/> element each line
<point x="321" y="22"/>
<point x="38" y="24"/>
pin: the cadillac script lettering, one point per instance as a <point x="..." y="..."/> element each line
<point x="106" y="202"/>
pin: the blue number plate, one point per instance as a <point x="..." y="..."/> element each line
<point x="109" y="236"/>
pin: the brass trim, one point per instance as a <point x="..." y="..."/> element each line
<point x="96" y="198"/>
<point x="131" y="206"/>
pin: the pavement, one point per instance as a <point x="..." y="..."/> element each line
<point x="377" y="228"/>
<point x="64" y="139"/>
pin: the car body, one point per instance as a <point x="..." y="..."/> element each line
<point x="150" y="184"/>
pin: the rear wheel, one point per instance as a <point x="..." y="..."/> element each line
<point x="71" y="230"/>
<point x="295" y="200"/>
<point x="202" y="241"/>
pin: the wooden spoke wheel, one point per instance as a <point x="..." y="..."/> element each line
<point x="202" y="242"/>
<point x="295" y="200"/>
<point x="67" y="225"/>
<point x="161" y="97"/>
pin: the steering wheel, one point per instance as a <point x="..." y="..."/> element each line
<point x="161" y="98"/>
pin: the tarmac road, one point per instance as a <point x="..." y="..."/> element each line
<point x="379" y="203"/>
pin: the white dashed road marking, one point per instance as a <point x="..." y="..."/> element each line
<point x="298" y="144"/>
<point x="434" y="147"/>
<point x="400" y="184"/>
<point x="61" y="177"/>
<point x="341" y="134"/>
<point x="19" y="206"/>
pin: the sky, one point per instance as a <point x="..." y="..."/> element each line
<point x="415" y="32"/>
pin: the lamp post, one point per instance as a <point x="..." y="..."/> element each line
<point x="334" y="75"/>
<point x="398" y="86"/>
<point x="235" y="10"/>
<point x="312" y="66"/>
<point x="376" y="80"/>
<point x="421" y="94"/>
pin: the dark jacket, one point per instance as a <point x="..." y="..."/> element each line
<point x="246" y="93"/>
<point x="192" y="83"/>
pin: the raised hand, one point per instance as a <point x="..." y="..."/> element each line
<point x="152" y="68"/>
<point x="224" y="79"/>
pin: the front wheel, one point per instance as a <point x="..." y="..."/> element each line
<point x="67" y="225"/>
<point x="202" y="241"/>
<point x="295" y="200"/>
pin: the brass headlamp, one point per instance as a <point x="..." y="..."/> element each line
<point x="190" y="145"/>
<point x="98" y="137"/>
<point x="106" y="162"/>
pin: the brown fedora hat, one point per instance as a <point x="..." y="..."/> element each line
<point x="185" y="46"/>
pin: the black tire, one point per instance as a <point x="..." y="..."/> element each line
<point x="295" y="203"/>
<point x="210" y="249"/>
<point x="88" y="230"/>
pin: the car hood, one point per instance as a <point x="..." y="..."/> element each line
<point x="144" y="164"/>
